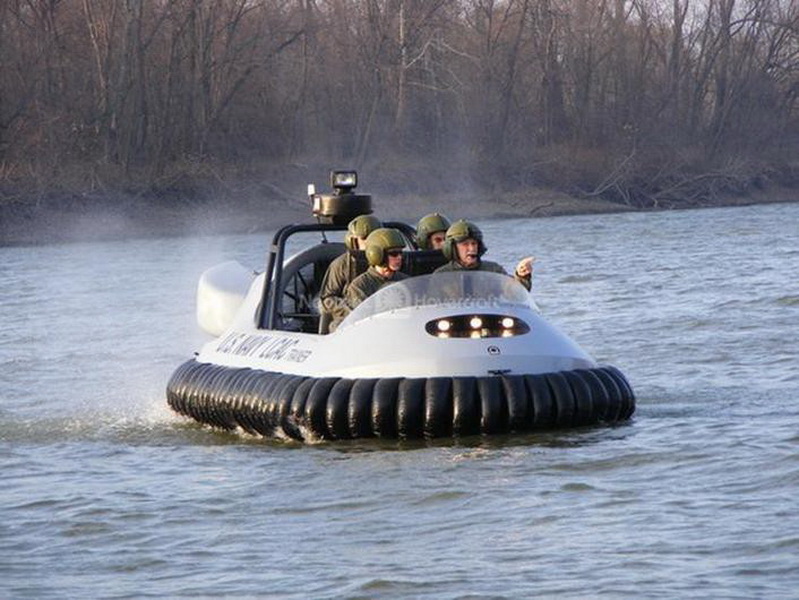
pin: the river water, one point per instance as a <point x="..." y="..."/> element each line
<point x="106" y="493"/>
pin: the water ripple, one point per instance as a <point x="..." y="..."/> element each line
<point x="105" y="489"/>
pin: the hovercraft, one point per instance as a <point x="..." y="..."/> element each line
<point x="435" y="355"/>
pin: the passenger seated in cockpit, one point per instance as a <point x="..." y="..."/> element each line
<point x="431" y="231"/>
<point x="345" y="268"/>
<point x="384" y="254"/>
<point x="464" y="248"/>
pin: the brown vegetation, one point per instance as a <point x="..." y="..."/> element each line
<point x="644" y="103"/>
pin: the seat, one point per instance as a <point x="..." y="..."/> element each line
<point x="422" y="262"/>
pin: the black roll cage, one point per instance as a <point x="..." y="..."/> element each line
<point x="267" y="314"/>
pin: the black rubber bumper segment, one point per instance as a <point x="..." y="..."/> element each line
<point x="331" y="408"/>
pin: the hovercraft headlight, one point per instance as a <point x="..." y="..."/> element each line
<point x="343" y="181"/>
<point x="343" y="205"/>
<point x="476" y="326"/>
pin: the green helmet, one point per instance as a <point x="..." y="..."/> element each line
<point x="459" y="231"/>
<point x="360" y="227"/>
<point x="379" y="241"/>
<point x="427" y="226"/>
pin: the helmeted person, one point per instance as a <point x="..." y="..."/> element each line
<point x="464" y="247"/>
<point x="384" y="254"/>
<point x="431" y="231"/>
<point x="345" y="268"/>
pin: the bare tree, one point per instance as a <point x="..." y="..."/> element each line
<point x="641" y="99"/>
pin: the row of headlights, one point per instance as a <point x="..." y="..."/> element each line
<point x="476" y="326"/>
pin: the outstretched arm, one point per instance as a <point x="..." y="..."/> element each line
<point x="524" y="272"/>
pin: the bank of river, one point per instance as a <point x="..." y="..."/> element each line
<point x="60" y="217"/>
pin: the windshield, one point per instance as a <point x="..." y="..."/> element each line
<point x="458" y="290"/>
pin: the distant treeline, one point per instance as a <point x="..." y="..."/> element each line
<point x="643" y="101"/>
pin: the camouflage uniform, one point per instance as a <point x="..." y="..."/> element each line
<point x="485" y="265"/>
<point x="342" y="270"/>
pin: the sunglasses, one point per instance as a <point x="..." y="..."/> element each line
<point x="394" y="253"/>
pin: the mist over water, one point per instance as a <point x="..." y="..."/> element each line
<point x="106" y="493"/>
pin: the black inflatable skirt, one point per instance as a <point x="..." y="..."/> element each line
<point x="309" y="408"/>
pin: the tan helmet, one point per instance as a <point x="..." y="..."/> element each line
<point x="379" y="241"/>
<point x="360" y="227"/>
<point x="427" y="226"/>
<point x="463" y="230"/>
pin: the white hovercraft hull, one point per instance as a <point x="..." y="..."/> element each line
<point x="387" y="371"/>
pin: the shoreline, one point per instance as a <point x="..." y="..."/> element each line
<point x="82" y="218"/>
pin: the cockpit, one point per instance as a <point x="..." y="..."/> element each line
<point x="292" y="282"/>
